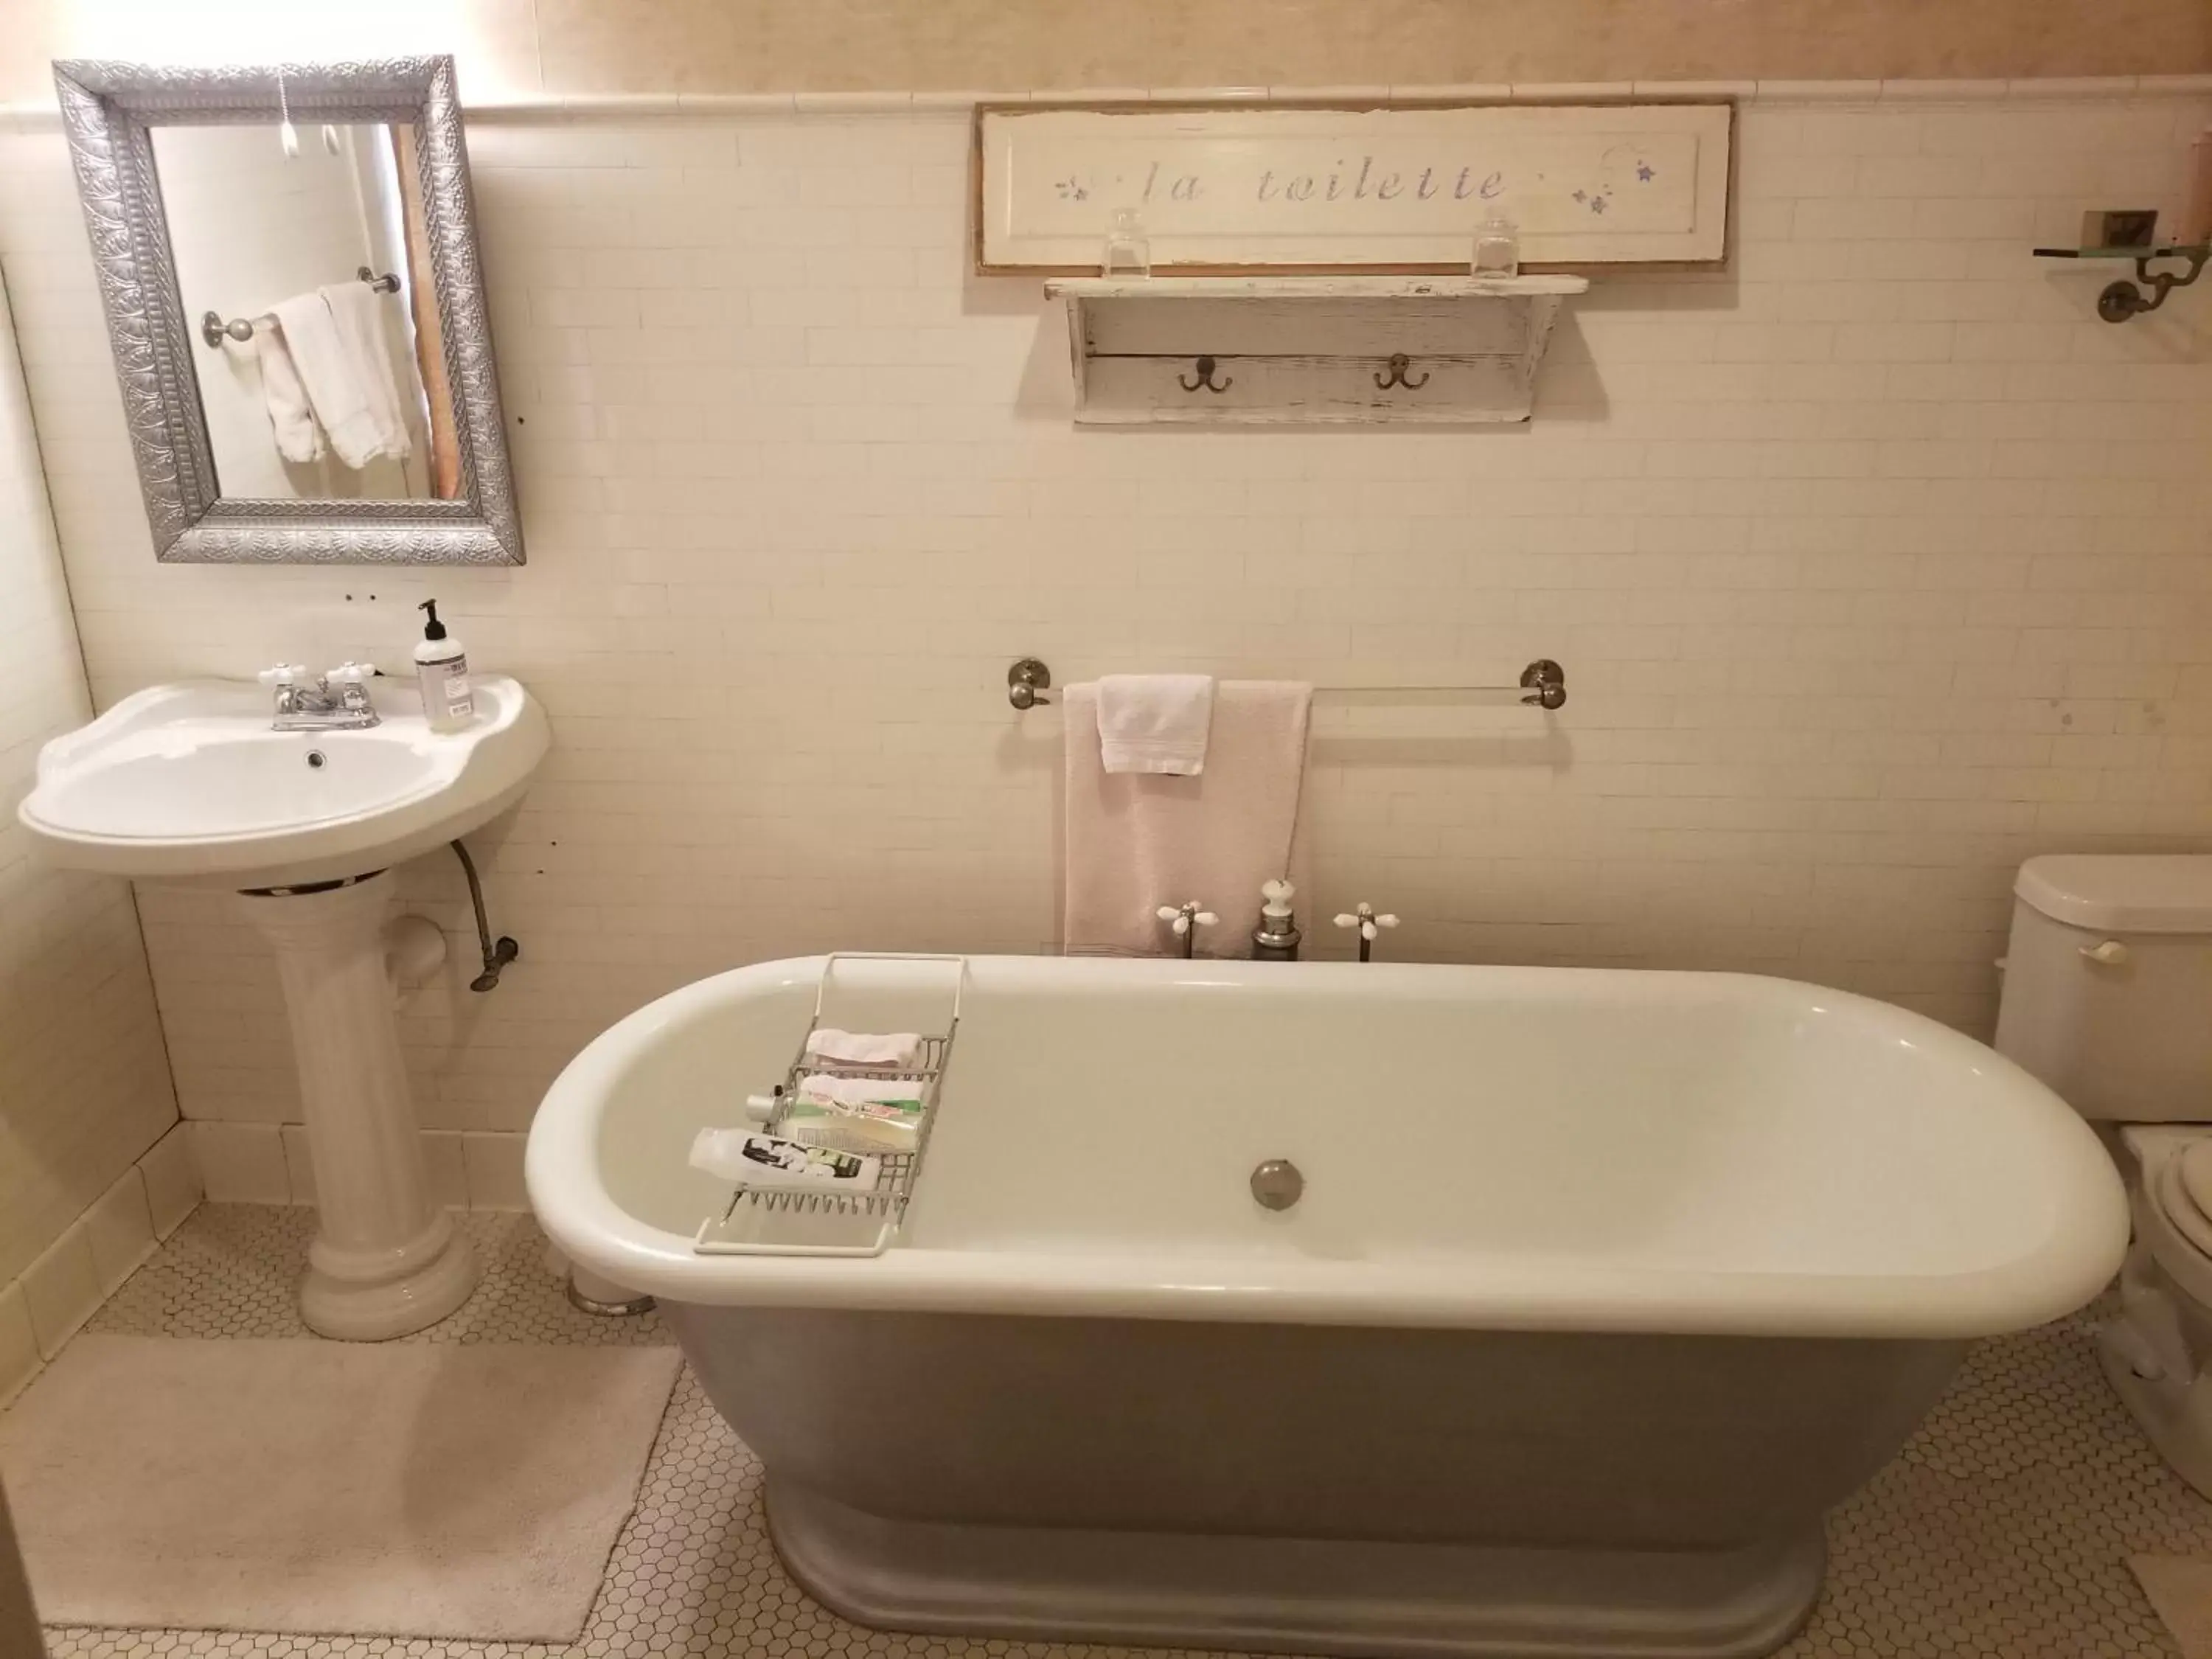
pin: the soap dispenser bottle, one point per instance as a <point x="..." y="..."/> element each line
<point x="442" y="668"/>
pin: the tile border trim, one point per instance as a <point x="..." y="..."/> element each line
<point x="151" y="1200"/>
<point x="33" y="117"/>
<point x="243" y="1161"/>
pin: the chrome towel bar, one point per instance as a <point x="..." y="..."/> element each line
<point x="1542" y="684"/>
<point x="213" y="329"/>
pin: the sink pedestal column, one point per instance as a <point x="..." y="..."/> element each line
<point x="386" y="1260"/>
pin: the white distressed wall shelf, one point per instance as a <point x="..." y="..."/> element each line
<point x="1308" y="350"/>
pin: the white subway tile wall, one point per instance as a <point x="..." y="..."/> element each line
<point x="20" y="1359"/>
<point x="120" y="1227"/>
<point x="83" y="1086"/>
<point x="1876" y="563"/>
<point x="41" y="1308"/>
<point x="62" y="1288"/>
<point x="173" y="1181"/>
<point x="243" y="1162"/>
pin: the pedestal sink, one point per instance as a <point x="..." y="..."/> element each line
<point x="188" y="783"/>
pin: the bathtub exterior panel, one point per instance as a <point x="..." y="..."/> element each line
<point x="1436" y="1437"/>
<point x="1296" y="1596"/>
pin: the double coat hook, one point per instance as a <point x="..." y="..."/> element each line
<point x="1400" y="363"/>
<point x="1204" y="365"/>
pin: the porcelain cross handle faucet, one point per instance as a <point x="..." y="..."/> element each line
<point x="1185" y="922"/>
<point x="1368" y="925"/>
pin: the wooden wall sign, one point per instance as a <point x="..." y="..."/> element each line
<point x="1252" y="188"/>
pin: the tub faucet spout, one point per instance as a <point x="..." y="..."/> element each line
<point x="1276" y="938"/>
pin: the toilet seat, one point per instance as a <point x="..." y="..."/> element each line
<point x="2180" y="1189"/>
<point x="2193" y="1172"/>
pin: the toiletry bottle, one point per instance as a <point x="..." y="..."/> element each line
<point x="441" y="666"/>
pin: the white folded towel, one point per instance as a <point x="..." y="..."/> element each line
<point x="336" y="345"/>
<point x="326" y="367"/>
<point x="291" y="416"/>
<point x="358" y="311"/>
<point x="862" y="1047"/>
<point x="1155" y="722"/>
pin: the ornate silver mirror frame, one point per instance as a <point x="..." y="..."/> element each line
<point x="109" y="110"/>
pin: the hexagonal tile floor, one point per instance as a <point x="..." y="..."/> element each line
<point x="2003" y="1530"/>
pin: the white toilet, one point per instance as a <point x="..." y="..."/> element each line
<point x="2108" y="999"/>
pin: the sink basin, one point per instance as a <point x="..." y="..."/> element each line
<point x="188" y="783"/>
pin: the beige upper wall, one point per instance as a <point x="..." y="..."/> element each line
<point x="626" y="45"/>
<point x="515" y="48"/>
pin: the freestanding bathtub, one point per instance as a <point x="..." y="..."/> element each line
<point x="1603" y="1287"/>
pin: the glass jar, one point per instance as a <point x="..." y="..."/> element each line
<point x="1128" y="250"/>
<point x="1497" y="247"/>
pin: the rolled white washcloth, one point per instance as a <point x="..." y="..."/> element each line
<point x="898" y="1048"/>
<point x="853" y="1092"/>
<point x="857" y="1114"/>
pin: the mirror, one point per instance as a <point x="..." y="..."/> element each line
<point x="288" y="261"/>
<point x="264" y="243"/>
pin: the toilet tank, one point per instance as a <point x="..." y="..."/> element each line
<point x="2108" y="983"/>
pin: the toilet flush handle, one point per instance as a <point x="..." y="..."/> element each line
<point x="2110" y="954"/>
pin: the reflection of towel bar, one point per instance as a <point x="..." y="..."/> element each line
<point x="213" y="329"/>
<point x="1542" y="684"/>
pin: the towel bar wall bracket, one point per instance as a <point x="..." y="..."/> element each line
<point x="1027" y="681"/>
<point x="1542" y="684"/>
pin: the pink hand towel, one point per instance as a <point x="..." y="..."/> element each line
<point x="1137" y="840"/>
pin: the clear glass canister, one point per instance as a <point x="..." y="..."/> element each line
<point x="1128" y="250"/>
<point x="1497" y="247"/>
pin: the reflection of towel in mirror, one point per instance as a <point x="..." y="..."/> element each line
<point x="343" y="384"/>
<point x="358" y="311"/>
<point x="291" y="416"/>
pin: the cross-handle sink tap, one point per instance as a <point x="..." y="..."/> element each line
<point x="1184" y="922"/>
<point x="1368" y="925"/>
<point x="336" y="700"/>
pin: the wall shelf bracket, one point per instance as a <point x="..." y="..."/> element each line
<point x="2123" y="299"/>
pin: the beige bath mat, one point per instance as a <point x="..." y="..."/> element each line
<point x="401" y="1489"/>
<point x="2181" y="1592"/>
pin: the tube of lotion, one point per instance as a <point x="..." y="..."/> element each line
<point x="758" y="1160"/>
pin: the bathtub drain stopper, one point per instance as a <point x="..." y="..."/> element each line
<point x="1277" y="1184"/>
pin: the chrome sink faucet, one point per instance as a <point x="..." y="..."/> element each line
<point x="336" y="702"/>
